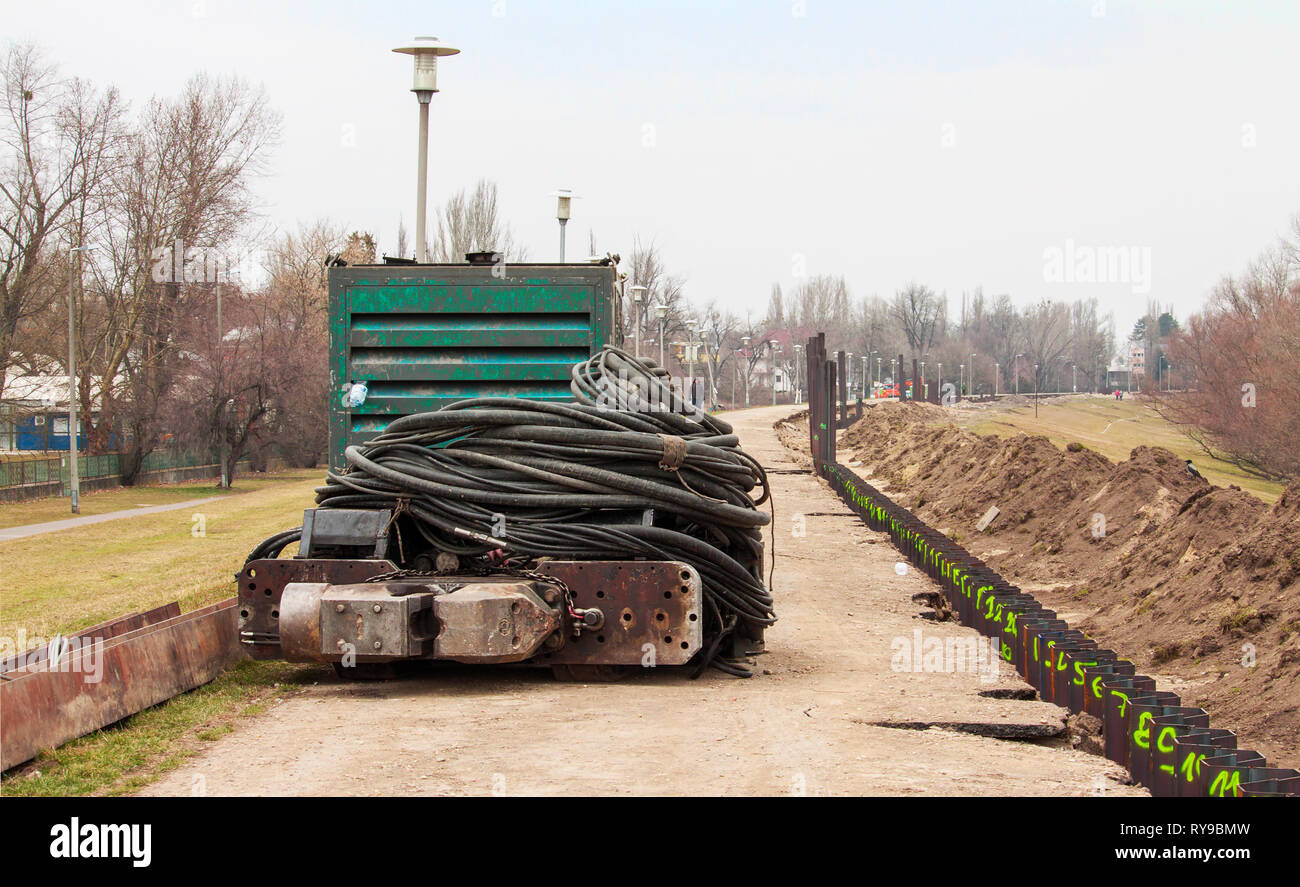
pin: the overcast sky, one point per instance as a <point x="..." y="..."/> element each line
<point x="956" y="144"/>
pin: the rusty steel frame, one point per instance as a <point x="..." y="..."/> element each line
<point x="12" y="666"/>
<point x="47" y="704"/>
<point x="647" y="605"/>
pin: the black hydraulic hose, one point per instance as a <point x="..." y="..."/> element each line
<point x="575" y="480"/>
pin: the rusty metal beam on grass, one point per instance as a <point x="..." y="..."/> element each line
<point x="10" y="666"/>
<point x="94" y="685"/>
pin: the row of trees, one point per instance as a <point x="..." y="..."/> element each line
<point x="135" y="221"/>
<point x="1238" y="361"/>
<point x="1052" y="344"/>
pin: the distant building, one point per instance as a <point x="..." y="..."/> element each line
<point x="34" y="415"/>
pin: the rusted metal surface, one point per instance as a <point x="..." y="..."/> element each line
<point x="1191" y="750"/>
<point x="505" y="621"/>
<point x="262" y="583"/>
<point x="1274" y="787"/>
<point x="472" y="619"/>
<point x="97" y="685"/>
<point x="1162" y="768"/>
<point x="652" y="612"/>
<point x="1094" y="695"/>
<point x="12" y="665"/>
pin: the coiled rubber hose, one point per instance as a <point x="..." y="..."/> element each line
<point x="574" y="480"/>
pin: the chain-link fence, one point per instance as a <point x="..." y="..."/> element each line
<point x="21" y="470"/>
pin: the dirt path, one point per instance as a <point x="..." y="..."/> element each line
<point x="800" y="726"/>
<point x="23" y="531"/>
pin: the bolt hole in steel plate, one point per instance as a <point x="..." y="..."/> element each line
<point x="259" y="613"/>
<point x="663" y="599"/>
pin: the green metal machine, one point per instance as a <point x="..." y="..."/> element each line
<point x="423" y="336"/>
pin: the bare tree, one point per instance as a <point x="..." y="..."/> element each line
<point x="295" y="318"/>
<point x="645" y="267"/>
<point x="1047" y="337"/>
<point x="60" y="139"/>
<point x="919" y="312"/>
<point x="401" y="239"/>
<point x="176" y="209"/>
<point x="1238" y="361"/>
<point x="470" y="222"/>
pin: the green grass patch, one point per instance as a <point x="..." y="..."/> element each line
<point x="129" y="755"/>
<point x="1113" y="428"/>
<point x="65" y="581"/>
<point x="39" y="511"/>
<point x="62" y="582"/>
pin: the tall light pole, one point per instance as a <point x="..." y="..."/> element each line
<point x="637" y="292"/>
<point x="744" y="342"/>
<point x="221" y="368"/>
<point x="997" y="377"/>
<point x="661" y="311"/>
<point x="972" y="375"/>
<point x="939" y="382"/>
<point x="1015" y="368"/>
<point x="710" y="383"/>
<point x="563" y="209"/>
<point x="877" y="379"/>
<point x="776" y="352"/>
<point x="690" y="357"/>
<point x="921" y="390"/>
<point x="1035" y="391"/>
<point x="74" y="479"/>
<point x="798" y="360"/>
<point x="426" y="51"/>
<point x="961" y="378"/>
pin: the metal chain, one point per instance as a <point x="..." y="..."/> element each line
<point x="520" y="572"/>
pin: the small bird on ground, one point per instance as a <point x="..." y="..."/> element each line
<point x="1191" y="469"/>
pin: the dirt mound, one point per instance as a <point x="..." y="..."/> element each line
<point x="1195" y="583"/>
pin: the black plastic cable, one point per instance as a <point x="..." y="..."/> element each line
<point x="573" y="480"/>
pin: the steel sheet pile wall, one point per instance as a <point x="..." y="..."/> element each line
<point x="1168" y="747"/>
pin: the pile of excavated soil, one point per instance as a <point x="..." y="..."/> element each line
<point x="1196" y="584"/>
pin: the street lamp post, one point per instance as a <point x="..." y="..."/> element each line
<point x="690" y="358"/>
<point x="776" y="353"/>
<point x="940" y="382"/>
<point x="74" y="479"/>
<point x="1035" y="391"/>
<point x="426" y="51"/>
<point x="997" y="377"/>
<point x="798" y="359"/>
<point x="661" y="311"/>
<point x="637" y="292"/>
<point x="563" y="210"/>
<point x="877" y="379"/>
<point x="961" y="378"/>
<point x="1016" y="369"/>
<point x="221" y="368"/>
<point x="972" y="375"/>
<point x="744" y="342"/>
